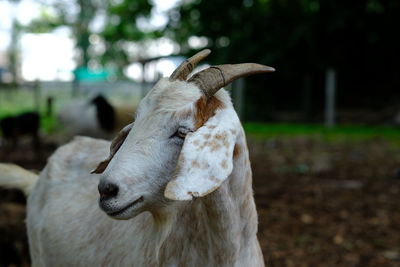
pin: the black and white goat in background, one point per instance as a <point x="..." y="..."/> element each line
<point x="96" y="117"/>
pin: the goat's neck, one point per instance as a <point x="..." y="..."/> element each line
<point x="220" y="224"/>
<point x="230" y="211"/>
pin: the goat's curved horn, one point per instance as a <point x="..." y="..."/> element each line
<point x="214" y="78"/>
<point x="188" y="65"/>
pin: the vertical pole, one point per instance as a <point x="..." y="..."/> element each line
<point x="307" y="97"/>
<point x="238" y="96"/>
<point x="75" y="89"/>
<point x="36" y="92"/>
<point x="143" y="83"/>
<point x="49" y="106"/>
<point x="330" y="92"/>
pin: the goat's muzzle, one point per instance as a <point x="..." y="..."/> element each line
<point x="107" y="190"/>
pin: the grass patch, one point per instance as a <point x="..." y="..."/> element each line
<point x="341" y="132"/>
<point x="48" y="124"/>
<point x="15" y="101"/>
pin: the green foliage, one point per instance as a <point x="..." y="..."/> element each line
<point x="121" y="20"/>
<point x="45" y="23"/>
<point x="122" y="28"/>
<point x="48" y="123"/>
<point x="342" y="132"/>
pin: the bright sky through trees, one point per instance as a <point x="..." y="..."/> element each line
<point x="52" y="56"/>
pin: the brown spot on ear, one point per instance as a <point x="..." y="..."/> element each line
<point x="219" y="137"/>
<point x="206" y="136"/>
<point x="236" y="151"/>
<point x="214" y="179"/>
<point x="224" y="164"/>
<point x="206" y="109"/>
<point x="216" y="142"/>
<point x="226" y="144"/>
<point x="195" y="164"/>
<point x="214" y="146"/>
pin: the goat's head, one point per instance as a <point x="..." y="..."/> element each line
<point x="181" y="144"/>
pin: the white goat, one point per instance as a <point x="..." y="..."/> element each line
<point x="179" y="177"/>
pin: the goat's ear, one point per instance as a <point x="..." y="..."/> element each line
<point x="206" y="158"/>
<point x="115" y="145"/>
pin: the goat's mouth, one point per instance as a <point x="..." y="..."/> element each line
<point x="126" y="208"/>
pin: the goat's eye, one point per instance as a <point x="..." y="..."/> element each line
<point x="180" y="133"/>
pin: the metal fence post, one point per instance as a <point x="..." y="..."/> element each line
<point x="238" y="96"/>
<point x="330" y="92"/>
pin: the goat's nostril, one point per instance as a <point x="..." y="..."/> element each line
<point x="107" y="190"/>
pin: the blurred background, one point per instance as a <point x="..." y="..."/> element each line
<point x="323" y="130"/>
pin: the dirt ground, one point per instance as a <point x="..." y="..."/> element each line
<point x="319" y="203"/>
<point x="328" y="204"/>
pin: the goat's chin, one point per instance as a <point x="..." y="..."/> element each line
<point x="124" y="212"/>
<point x="126" y="215"/>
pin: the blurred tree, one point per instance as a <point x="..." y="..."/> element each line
<point x="13" y="52"/>
<point x="13" y="49"/>
<point x="77" y="15"/>
<point x="80" y="15"/>
<point x="301" y="39"/>
<point x="122" y="29"/>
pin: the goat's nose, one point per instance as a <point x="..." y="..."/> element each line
<point x="107" y="190"/>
